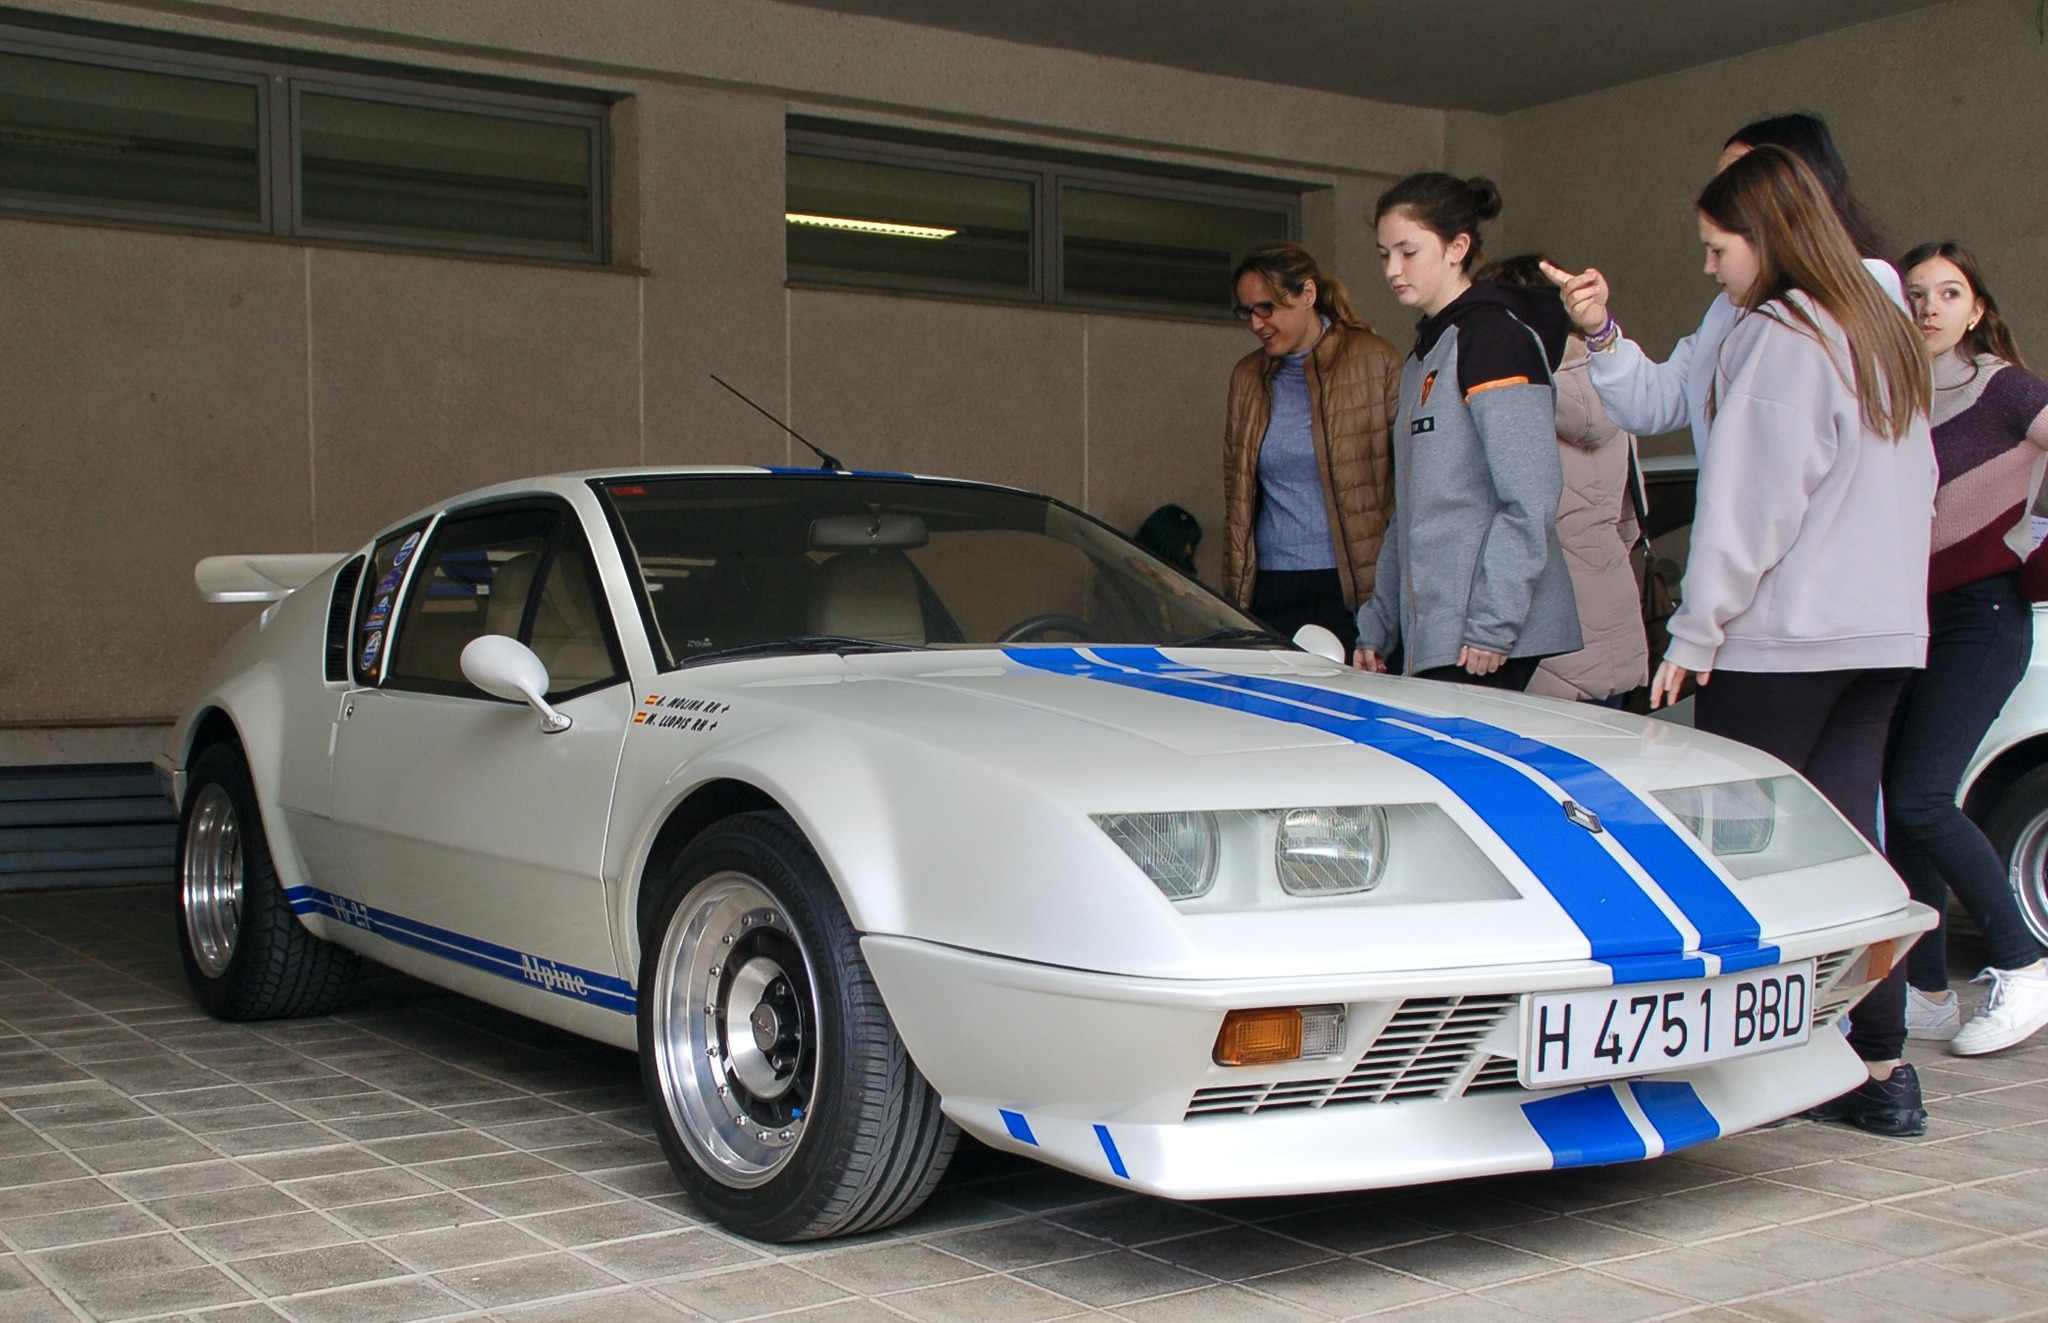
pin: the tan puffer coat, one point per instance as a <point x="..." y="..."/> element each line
<point x="1354" y="388"/>
<point x="1596" y="523"/>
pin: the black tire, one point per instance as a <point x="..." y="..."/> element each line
<point x="246" y="954"/>
<point x="782" y="1094"/>
<point x="2018" y="828"/>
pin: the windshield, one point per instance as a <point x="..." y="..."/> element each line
<point x="736" y="565"/>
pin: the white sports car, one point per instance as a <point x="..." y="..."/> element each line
<point x="871" y="808"/>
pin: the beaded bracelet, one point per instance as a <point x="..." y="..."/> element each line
<point x="1605" y="338"/>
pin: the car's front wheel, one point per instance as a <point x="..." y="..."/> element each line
<point x="782" y="1094"/>
<point x="247" y="956"/>
<point x="2018" y="828"/>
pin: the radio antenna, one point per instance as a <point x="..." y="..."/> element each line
<point x="826" y="461"/>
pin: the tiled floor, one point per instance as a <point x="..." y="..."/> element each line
<point x="422" y="1156"/>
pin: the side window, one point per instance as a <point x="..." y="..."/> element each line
<point x="567" y="629"/>
<point x="380" y="588"/>
<point x="525" y="572"/>
<point x="475" y="578"/>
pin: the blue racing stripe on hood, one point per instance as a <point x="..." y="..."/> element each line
<point x="1725" y="924"/>
<point x="1618" y="919"/>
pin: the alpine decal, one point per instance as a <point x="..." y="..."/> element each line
<point x="1496" y="775"/>
<point x="1019" y="1128"/>
<point x="607" y="991"/>
<point x="1621" y="1122"/>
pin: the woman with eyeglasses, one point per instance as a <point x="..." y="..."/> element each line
<point x="1307" y="470"/>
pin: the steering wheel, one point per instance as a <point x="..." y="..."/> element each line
<point x="1033" y="629"/>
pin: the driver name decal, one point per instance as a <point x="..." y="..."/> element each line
<point x="684" y="715"/>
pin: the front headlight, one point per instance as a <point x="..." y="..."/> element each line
<point x="1176" y="850"/>
<point x="1330" y="851"/>
<point x="1241" y="860"/>
<point x="1769" y="825"/>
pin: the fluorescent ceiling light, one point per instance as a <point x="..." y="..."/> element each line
<point x="869" y="227"/>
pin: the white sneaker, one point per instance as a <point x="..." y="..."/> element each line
<point x="2014" y="1009"/>
<point x="1931" y="1020"/>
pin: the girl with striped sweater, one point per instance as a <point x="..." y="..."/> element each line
<point x="1990" y="435"/>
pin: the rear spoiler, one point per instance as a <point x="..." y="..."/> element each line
<point x="259" y="578"/>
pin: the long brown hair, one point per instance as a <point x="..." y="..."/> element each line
<point x="1287" y="267"/>
<point x="1990" y="335"/>
<point x="1771" y="198"/>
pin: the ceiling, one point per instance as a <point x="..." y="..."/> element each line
<point x="1487" y="55"/>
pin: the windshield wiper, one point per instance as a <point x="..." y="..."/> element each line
<point x="1231" y="636"/>
<point x="800" y="643"/>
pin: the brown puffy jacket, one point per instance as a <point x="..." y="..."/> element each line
<point x="1354" y="388"/>
<point x="1596" y="525"/>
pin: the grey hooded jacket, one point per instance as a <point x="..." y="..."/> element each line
<point x="1472" y="554"/>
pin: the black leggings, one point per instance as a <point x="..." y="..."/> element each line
<point x="1831" y="727"/>
<point x="1285" y="600"/>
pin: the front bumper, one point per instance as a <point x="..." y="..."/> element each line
<point x="1112" y="1077"/>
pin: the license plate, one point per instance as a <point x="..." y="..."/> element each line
<point x="1644" y="1028"/>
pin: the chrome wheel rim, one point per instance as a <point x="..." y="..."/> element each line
<point x="210" y="880"/>
<point x="735" y="1017"/>
<point x="2029" y="874"/>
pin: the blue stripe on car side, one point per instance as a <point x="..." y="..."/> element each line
<point x="586" y="985"/>
<point x="1618" y="919"/>
<point x="1725" y="924"/>
<point x="1116" y="1159"/>
<point x="1019" y="1128"/>
<point x="1675" y="1109"/>
<point x="1586" y="1129"/>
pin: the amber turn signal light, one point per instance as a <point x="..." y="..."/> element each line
<point x="1250" y="1038"/>
<point x="1879" y="962"/>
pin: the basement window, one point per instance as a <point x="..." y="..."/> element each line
<point x="250" y="140"/>
<point x="903" y="210"/>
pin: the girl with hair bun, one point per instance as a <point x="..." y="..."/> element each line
<point x="1471" y="582"/>
<point x="1307" y="477"/>
<point x="1990" y="430"/>
<point x="1805" y="593"/>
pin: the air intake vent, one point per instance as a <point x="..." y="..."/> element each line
<point x="340" y="609"/>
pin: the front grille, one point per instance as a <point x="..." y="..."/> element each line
<point x="1430" y="1048"/>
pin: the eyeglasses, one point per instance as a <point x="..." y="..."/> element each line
<point x="1262" y="310"/>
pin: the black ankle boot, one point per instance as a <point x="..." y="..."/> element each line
<point x="1889" y="1106"/>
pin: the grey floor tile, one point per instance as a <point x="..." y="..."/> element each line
<point x="157" y="1293"/>
<point x="750" y="1292"/>
<point x="1889" y="1227"/>
<point x="1344" y="1287"/>
<point x="1235" y="1253"/>
<point x="461" y="1247"/>
<point x="1463" y="1262"/>
<point x="266" y="1235"/>
<point x="1212" y="1304"/>
<point x="56" y="1197"/>
<point x="1113" y="1278"/>
<point x="108" y="1260"/>
<point x="671" y="1254"/>
<point x="620" y="1220"/>
<point x="1701" y="1274"/>
<point x="1012" y="1245"/>
<point x="1584" y="1298"/>
<point x="898" y="1266"/>
<point x="319" y="1269"/>
<point x="386" y="1302"/>
<point x="232" y="1205"/>
<point x="1575" y="1240"/>
<point x="547" y="1195"/>
<point x="112" y="1222"/>
<point x="622" y="1306"/>
<point x="523" y="1280"/>
<point x="392" y="1217"/>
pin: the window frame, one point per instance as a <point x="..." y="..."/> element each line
<point x="1048" y="173"/>
<point x="279" y="78"/>
<point x="567" y="525"/>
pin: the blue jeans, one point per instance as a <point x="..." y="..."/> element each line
<point x="1981" y="638"/>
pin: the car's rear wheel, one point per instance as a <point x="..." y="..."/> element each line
<point x="246" y="954"/>
<point x="2018" y="828"/>
<point x="782" y="1094"/>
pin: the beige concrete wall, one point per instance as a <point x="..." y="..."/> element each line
<point x="1938" y="113"/>
<point x="186" y="395"/>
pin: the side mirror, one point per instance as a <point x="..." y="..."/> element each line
<point x="1309" y="638"/>
<point x="506" y="668"/>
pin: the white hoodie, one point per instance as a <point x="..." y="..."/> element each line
<point x="1810" y="542"/>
